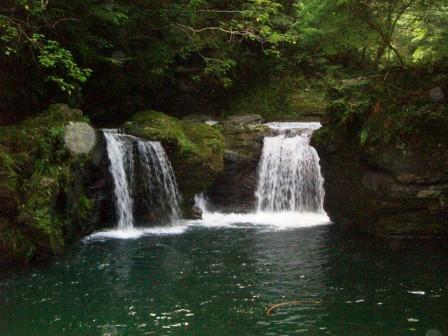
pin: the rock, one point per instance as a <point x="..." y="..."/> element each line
<point x="221" y="159"/>
<point x="399" y="189"/>
<point x="234" y="189"/>
<point x="195" y="149"/>
<point x="253" y="119"/>
<point x="8" y="202"/>
<point x="409" y="163"/>
<point x="196" y="213"/>
<point x="200" y="118"/>
<point x="45" y="196"/>
<point x="383" y="155"/>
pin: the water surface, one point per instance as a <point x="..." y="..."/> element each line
<point x="220" y="279"/>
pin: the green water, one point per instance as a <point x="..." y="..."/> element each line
<point x="219" y="281"/>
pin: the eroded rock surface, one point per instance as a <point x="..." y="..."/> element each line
<point x="234" y="189"/>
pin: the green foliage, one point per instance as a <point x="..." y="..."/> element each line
<point x="383" y="33"/>
<point x="377" y="112"/>
<point x="364" y="136"/>
<point x="127" y="56"/>
<point x="282" y="97"/>
<point x="36" y="170"/>
<point x="56" y="58"/>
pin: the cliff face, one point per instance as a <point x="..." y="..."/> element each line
<point x="384" y="158"/>
<point x="50" y="194"/>
<point x="388" y="191"/>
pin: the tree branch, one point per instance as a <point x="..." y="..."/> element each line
<point x="243" y="33"/>
<point x="53" y="25"/>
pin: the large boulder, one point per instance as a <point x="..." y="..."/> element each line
<point x="48" y="192"/>
<point x="385" y="160"/>
<point x="195" y="149"/>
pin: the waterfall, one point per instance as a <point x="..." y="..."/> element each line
<point x="161" y="194"/>
<point x="145" y="187"/>
<point x="121" y="164"/>
<point x="289" y="177"/>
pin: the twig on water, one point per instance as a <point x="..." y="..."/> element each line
<point x="283" y="304"/>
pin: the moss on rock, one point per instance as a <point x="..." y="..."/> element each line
<point x="195" y="149"/>
<point x="37" y="170"/>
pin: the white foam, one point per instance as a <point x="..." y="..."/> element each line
<point x="166" y="230"/>
<point x="294" y="125"/>
<point x="137" y="233"/>
<point x="271" y="220"/>
<point x="275" y="221"/>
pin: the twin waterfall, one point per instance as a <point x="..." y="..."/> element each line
<point x="145" y="188"/>
<point x="289" y="177"/>
<point x="144" y="183"/>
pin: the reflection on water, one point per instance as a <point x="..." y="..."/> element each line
<point x="220" y="280"/>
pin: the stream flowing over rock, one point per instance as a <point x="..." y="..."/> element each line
<point x="289" y="177"/>
<point x="195" y="150"/>
<point x="145" y="187"/>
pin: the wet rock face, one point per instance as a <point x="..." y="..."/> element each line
<point x="396" y="190"/>
<point x="234" y="189"/>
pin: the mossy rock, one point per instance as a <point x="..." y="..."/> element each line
<point x="195" y="149"/>
<point x="37" y="171"/>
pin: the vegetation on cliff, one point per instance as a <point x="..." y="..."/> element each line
<point x="42" y="199"/>
<point x="384" y="153"/>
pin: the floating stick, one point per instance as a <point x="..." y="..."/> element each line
<point x="283" y="304"/>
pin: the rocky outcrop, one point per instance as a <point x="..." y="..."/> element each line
<point x="386" y="167"/>
<point x="369" y="195"/>
<point x="234" y="189"/>
<point x="49" y="194"/>
<point x="195" y="150"/>
<point x="221" y="159"/>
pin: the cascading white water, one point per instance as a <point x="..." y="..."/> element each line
<point x="143" y="178"/>
<point x="160" y="181"/>
<point x="289" y="177"/>
<point x="290" y="187"/>
<point x="121" y="160"/>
